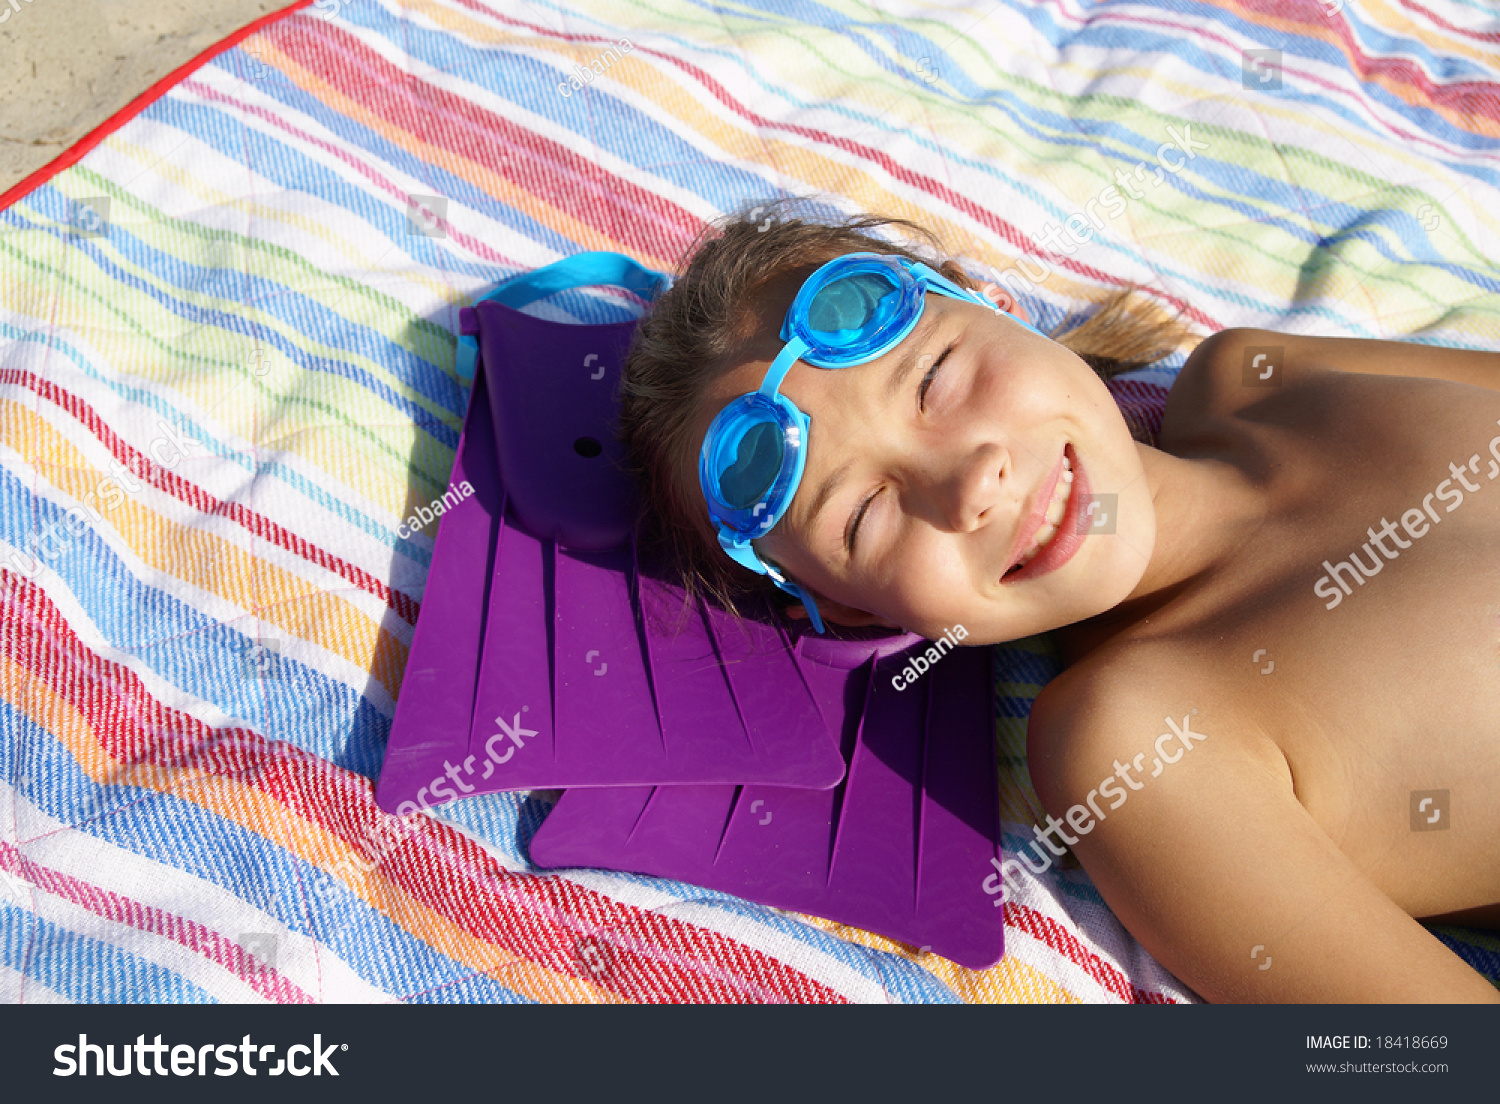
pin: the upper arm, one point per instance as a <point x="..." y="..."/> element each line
<point x="1218" y="870"/>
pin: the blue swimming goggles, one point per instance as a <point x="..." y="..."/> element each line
<point x="850" y="311"/>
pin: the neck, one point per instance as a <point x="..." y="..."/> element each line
<point x="1205" y="510"/>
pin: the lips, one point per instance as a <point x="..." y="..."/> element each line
<point x="1042" y="546"/>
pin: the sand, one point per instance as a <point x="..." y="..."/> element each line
<point x="67" y="65"/>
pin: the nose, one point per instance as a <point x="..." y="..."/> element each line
<point x="967" y="492"/>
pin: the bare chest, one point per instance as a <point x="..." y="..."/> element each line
<point x="1360" y="627"/>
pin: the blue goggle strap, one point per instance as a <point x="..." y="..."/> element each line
<point x="579" y="270"/>
<point x="939" y="283"/>
<point x="944" y="286"/>
<point x="738" y="549"/>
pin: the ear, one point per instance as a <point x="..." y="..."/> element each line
<point x="993" y="292"/>
<point x="1005" y="301"/>
<point x="837" y="613"/>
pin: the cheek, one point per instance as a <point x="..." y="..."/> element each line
<point x="1027" y="391"/>
<point x="923" y="576"/>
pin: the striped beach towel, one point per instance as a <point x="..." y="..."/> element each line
<point x="227" y="379"/>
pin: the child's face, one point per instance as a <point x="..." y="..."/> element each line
<point x="951" y="480"/>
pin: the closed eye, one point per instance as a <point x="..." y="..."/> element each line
<point x="853" y="534"/>
<point x="931" y="375"/>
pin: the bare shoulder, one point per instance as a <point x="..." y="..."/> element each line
<point x="1089" y="708"/>
<point x="1236" y="367"/>
<point x="1198" y="843"/>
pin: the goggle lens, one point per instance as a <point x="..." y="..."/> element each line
<point x="852" y="307"/>
<point x="757" y="462"/>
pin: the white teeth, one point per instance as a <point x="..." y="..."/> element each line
<point x="1055" y="510"/>
<point x="1043" y="535"/>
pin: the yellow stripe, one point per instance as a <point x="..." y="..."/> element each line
<point x="1009" y="981"/>
<point x="206" y="561"/>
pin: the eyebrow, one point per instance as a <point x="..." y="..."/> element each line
<point x="908" y="360"/>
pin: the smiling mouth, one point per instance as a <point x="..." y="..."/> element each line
<point x="1056" y="509"/>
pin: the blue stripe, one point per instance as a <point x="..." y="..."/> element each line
<point x="173" y="832"/>
<point x="84" y="969"/>
<point x="188" y="648"/>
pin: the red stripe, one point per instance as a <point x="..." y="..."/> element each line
<point x="1482" y="36"/>
<point x="144" y="467"/>
<point x="1473" y="99"/>
<point x="884" y="162"/>
<point x="188" y="933"/>
<point x="75" y="153"/>
<point x="537" y="918"/>
<point x="1060" y="939"/>
<point x="616" y="208"/>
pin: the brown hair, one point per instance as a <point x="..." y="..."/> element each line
<point x="693" y="331"/>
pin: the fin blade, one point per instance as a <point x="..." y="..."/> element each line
<point x="433" y="707"/>
<point x="776" y="847"/>
<point x="693" y="691"/>
<point x="874" y="853"/>
<point x="775" y="702"/>
<point x="606" y="723"/>
<point x="516" y="670"/>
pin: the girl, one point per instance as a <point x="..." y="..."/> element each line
<point x="1299" y="586"/>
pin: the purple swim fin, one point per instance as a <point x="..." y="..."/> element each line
<point x="630" y="695"/>
<point x="907" y="846"/>
<point x="543" y="656"/>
